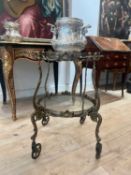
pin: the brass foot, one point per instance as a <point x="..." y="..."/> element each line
<point x="36" y="149"/>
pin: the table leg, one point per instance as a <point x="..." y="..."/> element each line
<point x="55" y="67"/>
<point x="123" y="80"/>
<point x="8" y="60"/>
<point x="78" y="73"/>
<point x="2" y="81"/>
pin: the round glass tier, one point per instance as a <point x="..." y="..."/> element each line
<point x="61" y="103"/>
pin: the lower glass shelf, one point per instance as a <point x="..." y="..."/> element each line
<point x="66" y="105"/>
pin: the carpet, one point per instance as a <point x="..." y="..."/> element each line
<point x="106" y="97"/>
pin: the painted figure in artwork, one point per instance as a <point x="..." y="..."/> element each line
<point x="33" y="16"/>
<point x="115" y="18"/>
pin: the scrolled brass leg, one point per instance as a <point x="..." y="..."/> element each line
<point x="78" y="72"/>
<point x="33" y="120"/>
<point x="36" y="147"/>
<point x="37" y="115"/>
<point x="98" y="139"/>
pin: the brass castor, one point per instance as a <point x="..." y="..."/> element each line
<point x="36" y="149"/>
<point x="45" y="120"/>
<point x="82" y="119"/>
<point x="98" y="150"/>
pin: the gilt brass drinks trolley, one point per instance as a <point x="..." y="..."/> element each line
<point x="68" y="43"/>
<point x="66" y="104"/>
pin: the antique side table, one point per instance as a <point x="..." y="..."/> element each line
<point x="116" y="58"/>
<point x="66" y="104"/>
<point x="27" y="49"/>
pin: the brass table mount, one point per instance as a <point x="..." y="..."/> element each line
<point x="66" y="104"/>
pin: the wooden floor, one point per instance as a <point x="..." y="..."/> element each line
<point x="67" y="147"/>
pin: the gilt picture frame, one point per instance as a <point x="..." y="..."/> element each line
<point x="67" y="5"/>
<point x="115" y="18"/>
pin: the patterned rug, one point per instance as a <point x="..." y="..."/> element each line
<point x="106" y="97"/>
<point x="109" y="98"/>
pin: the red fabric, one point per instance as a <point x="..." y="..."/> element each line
<point x="32" y="23"/>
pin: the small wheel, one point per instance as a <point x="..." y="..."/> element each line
<point x="36" y="149"/>
<point x="98" y="150"/>
<point x="82" y="120"/>
<point x="45" y="120"/>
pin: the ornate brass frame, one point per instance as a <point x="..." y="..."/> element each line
<point x="43" y="113"/>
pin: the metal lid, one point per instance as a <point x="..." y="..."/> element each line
<point x="69" y="20"/>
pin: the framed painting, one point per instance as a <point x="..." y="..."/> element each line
<point x="33" y="16"/>
<point x="115" y="18"/>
